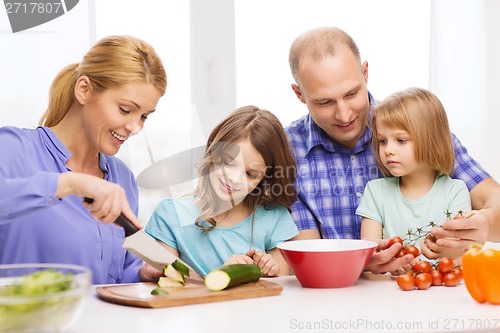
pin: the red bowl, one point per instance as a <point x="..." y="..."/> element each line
<point x="327" y="263"/>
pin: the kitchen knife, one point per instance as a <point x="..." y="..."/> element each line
<point x="146" y="247"/>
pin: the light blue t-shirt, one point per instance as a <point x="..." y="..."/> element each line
<point x="383" y="202"/>
<point x="173" y="222"/>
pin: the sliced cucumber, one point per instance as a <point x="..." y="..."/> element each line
<point x="167" y="282"/>
<point x="179" y="266"/>
<point x="232" y="275"/>
<point x="173" y="273"/>
<point x="159" y="291"/>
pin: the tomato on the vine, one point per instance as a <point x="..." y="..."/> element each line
<point x="450" y="279"/>
<point x="423" y="281"/>
<point x="406" y="281"/>
<point x="437" y="277"/>
<point x="445" y="265"/>
<point x="413" y="250"/>
<point x="394" y="240"/>
<point x="422" y="266"/>
<point x="400" y="253"/>
<point x="458" y="271"/>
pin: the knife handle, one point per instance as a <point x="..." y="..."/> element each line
<point x="121" y="220"/>
<point x="129" y="227"/>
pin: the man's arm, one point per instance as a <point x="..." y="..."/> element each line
<point x="486" y="197"/>
<point x="480" y="225"/>
<point x="483" y="222"/>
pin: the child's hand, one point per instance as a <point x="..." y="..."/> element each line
<point x="239" y="259"/>
<point x="430" y="249"/>
<point x="265" y="261"/>
<point x="406" y="267"/>
<point x="433" y="251"/>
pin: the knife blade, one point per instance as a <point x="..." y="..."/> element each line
<point x="146" y="247"/>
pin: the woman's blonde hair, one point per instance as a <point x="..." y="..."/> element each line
<point x="266" y="134"/>
<point x="420" y="113"/>
<point x="111" y="62"/>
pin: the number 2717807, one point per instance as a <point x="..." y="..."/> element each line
<point x="33" y="7"/>
<point x="470" y="324"/>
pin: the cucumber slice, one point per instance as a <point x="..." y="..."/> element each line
<point x="232" y="275"/>
<point x="173" y="273"/>
<point x="167" y="282"/>
<point x="159" y="291"/>
<point x="179" y="266"/>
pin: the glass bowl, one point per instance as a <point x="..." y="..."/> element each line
<point x="41" y="297"/>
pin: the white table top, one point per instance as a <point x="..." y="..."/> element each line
<point x="371" y="305"/>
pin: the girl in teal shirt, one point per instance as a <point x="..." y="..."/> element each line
<point x="238" y="212"/>
<point x="413" y="147"/>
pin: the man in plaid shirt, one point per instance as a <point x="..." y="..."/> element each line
<point x="334" y="156"/>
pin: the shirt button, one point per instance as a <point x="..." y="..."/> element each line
<point x="353" y="157"/>
<point x="51" y="199"/>
<point x="359" y="194"/>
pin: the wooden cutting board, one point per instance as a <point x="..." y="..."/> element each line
<point x="139" y="294"/>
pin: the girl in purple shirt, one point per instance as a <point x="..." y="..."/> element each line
<point x="94" y="107"/>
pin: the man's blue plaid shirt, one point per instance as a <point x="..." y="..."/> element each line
<point x="331" y="178"/>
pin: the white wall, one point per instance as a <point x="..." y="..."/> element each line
<point x="465" y="73"/>
<point x="392" y="35"/>
<point x="29" y="61"/>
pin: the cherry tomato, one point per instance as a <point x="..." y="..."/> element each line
<point x="423" y="281"/>
<point x="394" y="240"/>
<point x="413" y="250"/>
<point x="400" y="253"/>
<point x="437" y="277"/>
<point x="406" y="281"/>
<point x="450" y="279"/>
<point x="422" y="266"/>
<point x="458" y="272"/>
<point x="445" y="265"/>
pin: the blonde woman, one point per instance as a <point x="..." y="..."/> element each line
<point x="94" y="107"/>
<point x="413" y="147"/>
<point x="238" y="213"/>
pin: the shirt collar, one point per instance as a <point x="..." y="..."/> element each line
<point x="318" y="137"/>
<point x="53" y="143"/>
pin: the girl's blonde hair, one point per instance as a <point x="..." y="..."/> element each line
<point x="266" y="134"/>
<point x="420" y="113"/>
<point x="111" y="62"/>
